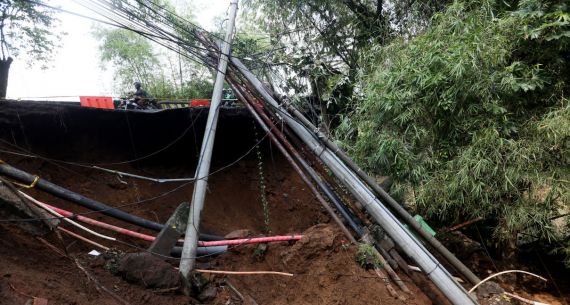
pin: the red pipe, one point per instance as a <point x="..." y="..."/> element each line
<point x="151" y="238"/>
<point x="229" y="242"/>
<point x="102" y="224"/>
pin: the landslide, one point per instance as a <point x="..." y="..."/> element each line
<point x="323" y="262"/>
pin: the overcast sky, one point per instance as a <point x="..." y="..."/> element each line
<point x="76" y="69"/>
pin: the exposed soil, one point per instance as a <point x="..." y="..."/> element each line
<point x="323" y="264"/>
<point x="324" y="268"/>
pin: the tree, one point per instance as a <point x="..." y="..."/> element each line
<point x="163" y="73"/>
<point x="318" y="44"/>
<point x="471" y="118"/>
<point x="131" y="54"/>
<point x="25" y="27"/>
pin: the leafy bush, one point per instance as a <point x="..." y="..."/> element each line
<point x="470" y="117"/>
<point x="366" y="257"/>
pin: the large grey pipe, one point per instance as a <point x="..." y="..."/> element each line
<point x="201" y="251"/>
<point x="411" y="246"/>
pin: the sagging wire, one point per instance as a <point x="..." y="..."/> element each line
<point x="157" y="180"/>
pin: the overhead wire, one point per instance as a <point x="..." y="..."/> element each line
<point x="195" y="56"/>
<point x="124" y="22"/>
<point x="165" y="14"/>
<point x="122" y="26"/>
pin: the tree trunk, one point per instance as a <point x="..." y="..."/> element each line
<point x="4" y="70"/>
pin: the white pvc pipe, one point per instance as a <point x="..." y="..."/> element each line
<point x="56" y="214"/>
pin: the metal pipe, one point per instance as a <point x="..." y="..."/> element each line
<point x="411" y="246"/>
<point x="275" y="133"/>
<point x="201" y="251"/>
<point x="203" y="169"/>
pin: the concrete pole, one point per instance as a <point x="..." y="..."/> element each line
<point x="187" y="259"/>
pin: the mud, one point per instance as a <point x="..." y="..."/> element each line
<point x="325" y="271"/>
<point x="323" y="264"/>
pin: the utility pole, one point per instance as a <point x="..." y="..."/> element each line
<point x="188" y="256"/>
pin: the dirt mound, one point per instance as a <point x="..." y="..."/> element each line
<point x="325" y="272"/>
<point x="324" y="269"/>
<point x="317" y="241"/>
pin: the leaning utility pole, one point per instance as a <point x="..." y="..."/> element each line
<point x="202" y="171"/>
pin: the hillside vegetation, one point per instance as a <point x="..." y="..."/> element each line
<point x="465" y="105"/>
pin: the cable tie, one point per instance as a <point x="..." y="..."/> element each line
<point x="436" y="266"/>
<point x="322" y="151"/>
<point x="31" y="185"/>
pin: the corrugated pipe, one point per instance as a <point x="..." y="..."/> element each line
<point x="89" y="203"/>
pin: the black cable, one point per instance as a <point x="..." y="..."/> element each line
<point x="153" y="37"/>
<point x="107" y="12"/>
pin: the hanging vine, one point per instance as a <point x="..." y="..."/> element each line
<point x="262" y="182"/>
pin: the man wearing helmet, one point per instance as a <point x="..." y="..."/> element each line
<point x="140" y="96"/>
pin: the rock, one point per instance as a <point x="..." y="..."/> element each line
<point x="259" y="252"/>
<point x="148" y="270"/>
<point x="237" y="234"/>
<point x="208" y="294"/>
<point x="488" y="289"/>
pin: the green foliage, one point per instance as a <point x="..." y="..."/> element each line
<point x="195" y="87"/>
<point x="131" y="54"/>
<point x="366" y="256"/>
<point x="136" y="59"/>
<point x="27" y="27"/>
<point x="471" y="119"/>
<point x="317" y="44"/>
